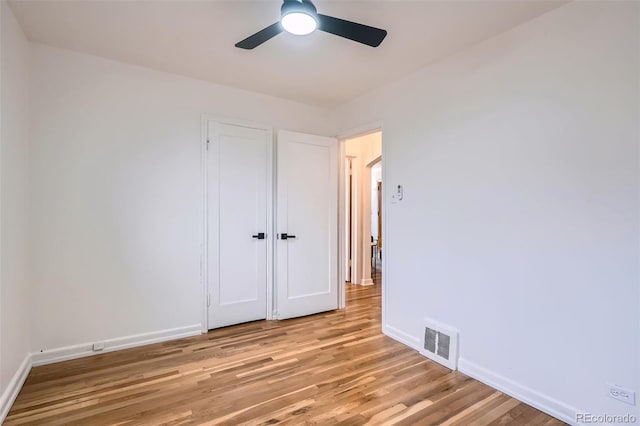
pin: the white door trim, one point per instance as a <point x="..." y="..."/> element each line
<point x="204" y="272"/>
<point x="342" y="137"/>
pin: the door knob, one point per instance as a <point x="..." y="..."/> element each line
<point x="260" y="236"/>
<point x="285" y="236"/>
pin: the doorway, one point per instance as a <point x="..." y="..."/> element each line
<point x="361" y="211"/>
<point x="376" y="221"/>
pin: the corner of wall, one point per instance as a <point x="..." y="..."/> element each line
<point x="14" y="275"/>
<point x="13" y="388"/>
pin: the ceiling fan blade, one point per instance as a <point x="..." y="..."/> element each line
<point x="364" y="34"/>
<point x="260" y="37"/>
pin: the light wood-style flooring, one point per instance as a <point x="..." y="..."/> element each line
<point x="327" y="369"/>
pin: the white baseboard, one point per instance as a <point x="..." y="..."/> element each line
<point x="86" y="349"/>
<point x="402" y="337"/>
<point x="366" y="282"/>
<point x="529" y="396"/>
<point x="83" y="350"/>
<point x="542" y="402"/>
<point x="13" y="389"/>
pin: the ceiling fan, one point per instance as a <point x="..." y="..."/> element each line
<point x="300" y="17"/>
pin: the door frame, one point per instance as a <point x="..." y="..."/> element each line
<point x="348" y="218"/>
<point x="204" y="268"/>
<point x="342" y="138"/>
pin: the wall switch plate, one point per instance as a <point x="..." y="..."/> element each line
<point x="621" y="394"/>
<point x="98" y="346"/>
<point x="397" y="195"/>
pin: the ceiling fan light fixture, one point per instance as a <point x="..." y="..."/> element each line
<point x="298" y="17"/>
<point x="299" y="23"/>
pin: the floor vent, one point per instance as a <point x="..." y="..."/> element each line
<point x="440" y="343"/>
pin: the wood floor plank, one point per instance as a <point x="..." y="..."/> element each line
<point x="334" y="368"/>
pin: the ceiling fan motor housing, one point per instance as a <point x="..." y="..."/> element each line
<point x="300" y="6"/>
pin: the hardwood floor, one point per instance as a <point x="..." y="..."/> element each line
<point x="332" y="368"/>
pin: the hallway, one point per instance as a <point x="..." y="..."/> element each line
<point x="331" y="368"/>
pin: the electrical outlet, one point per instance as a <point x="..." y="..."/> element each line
<point x="98" y="346"/>
<point x="621" y="394"/>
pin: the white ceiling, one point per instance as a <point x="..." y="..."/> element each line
<point x="196" y="39"/>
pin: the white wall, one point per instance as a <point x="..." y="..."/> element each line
<point x="14" y="277"/>
<point x="116" y="193"/>
<point x="520" y="220"/>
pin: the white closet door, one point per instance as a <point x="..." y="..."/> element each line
<point x="307" y="224"/>
<point x="238" y="232"/>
